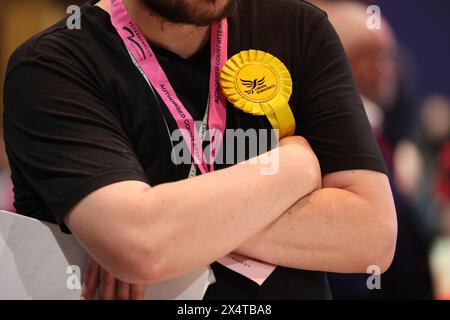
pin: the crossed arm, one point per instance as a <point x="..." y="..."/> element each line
<point x="143" y="235"/>
<point x="345" y="227"/>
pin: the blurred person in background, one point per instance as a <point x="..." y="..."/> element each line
<point x="6" y="194"/>
<point x="373" y="58"/>
<point x="433" y="137"/>
<point x="443" y="187"/>
<point x="434" y="142"/>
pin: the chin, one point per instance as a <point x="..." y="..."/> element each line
<point x="207" y="11"/>
<point x="195" y="12"/>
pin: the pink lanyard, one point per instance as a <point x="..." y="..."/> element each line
<point x="143" y="54"/>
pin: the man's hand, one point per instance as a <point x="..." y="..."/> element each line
<point x="110" y="287"/>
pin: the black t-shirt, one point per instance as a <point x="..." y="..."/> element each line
<point x="79" y="116"/>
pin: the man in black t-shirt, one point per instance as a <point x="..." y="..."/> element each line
<point x="89" y="149"/>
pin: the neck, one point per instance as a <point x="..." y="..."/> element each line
<point x="183" y="40"/>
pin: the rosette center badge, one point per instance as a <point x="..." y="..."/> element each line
<point x="258" y="83"/>
<point x="260" y="89"/>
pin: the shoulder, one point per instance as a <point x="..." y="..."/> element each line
<point x="57" y="43"/>
<point x="280" y="8"/>
<point x="277" y="22"/>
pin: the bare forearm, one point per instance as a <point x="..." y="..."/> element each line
<point x="329" y="230"/>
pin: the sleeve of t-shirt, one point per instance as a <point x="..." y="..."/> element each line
<point x="63" y="135"/>
<point x="331" y="115"/>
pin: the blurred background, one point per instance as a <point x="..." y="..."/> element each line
<point x="403" y="73"/>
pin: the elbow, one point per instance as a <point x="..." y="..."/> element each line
<point x="307" y="169"/>
<point x="144" y="259"/>
<point x="147" y="260"/>
<point x="144" y="267"/>
<point x="380" y="247"/>
<point x="316" y="173"/>
<point x="387" y="249"/>
<point x="387" y="238"/>
<point x="381" y="262"/>
<point x="150" y="273"/>
<point x="312" y="173"/>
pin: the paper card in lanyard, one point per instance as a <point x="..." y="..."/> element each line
<point x="146" y="61"/>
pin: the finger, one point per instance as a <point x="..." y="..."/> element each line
<point x="107" y="285"/>
<point x="137" y="292"/>
<point x="123" y="291"/>
<point x="91" y="280"/>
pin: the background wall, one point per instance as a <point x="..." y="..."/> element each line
<point x="423" y="27"/>
<point x="19" y="20"/>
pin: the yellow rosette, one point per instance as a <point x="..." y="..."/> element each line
<point x="258" y="83"/>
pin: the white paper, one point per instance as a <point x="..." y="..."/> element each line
<point x="36" y="261"/>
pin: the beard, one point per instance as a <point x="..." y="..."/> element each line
<point x="194" y="12"/>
